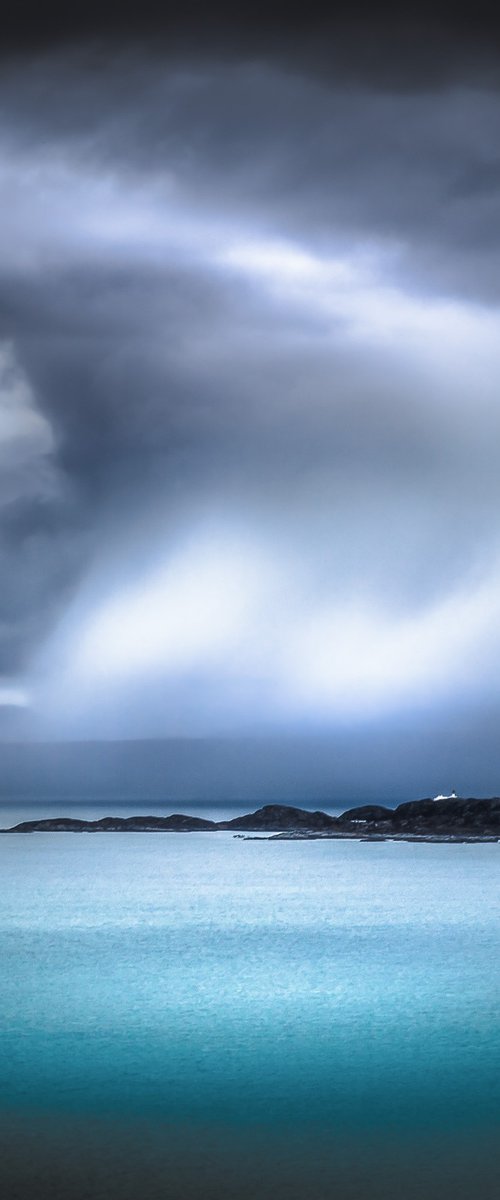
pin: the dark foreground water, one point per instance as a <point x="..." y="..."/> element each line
<point x="200" y="1016"/>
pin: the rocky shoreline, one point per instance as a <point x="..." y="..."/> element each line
<point x="445" y="819"/>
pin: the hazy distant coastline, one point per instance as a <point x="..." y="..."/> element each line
<point x="445" y="819"/>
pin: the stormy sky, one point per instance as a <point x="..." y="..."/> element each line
<point x="249" y="384"/>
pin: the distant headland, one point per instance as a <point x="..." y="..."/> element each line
<point x="443" y="819"/>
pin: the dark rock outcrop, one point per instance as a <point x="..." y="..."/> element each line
<point x="281" y="816"/>
<point x="452" y="818"/>
<point x="177" y="823"/>
<point x="454" y="812"/>
<point x="51" y="825"/>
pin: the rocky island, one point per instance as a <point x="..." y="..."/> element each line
<point x="444" y="819"/>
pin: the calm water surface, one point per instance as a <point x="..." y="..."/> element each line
<point x="197" y="1015"/>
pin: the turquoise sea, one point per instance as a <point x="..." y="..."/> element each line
<point x="195" y="1015"/>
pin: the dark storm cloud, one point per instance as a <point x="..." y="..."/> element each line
<point x="401" y="44"/>
<point x="245" y="283"/>
<point x="136" y="420"/>
<point x="304" y="156"/>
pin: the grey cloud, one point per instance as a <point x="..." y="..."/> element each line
<point x="174" y="386"/>
<point x="254" y="144"/>
<point x="335" y="455"/>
